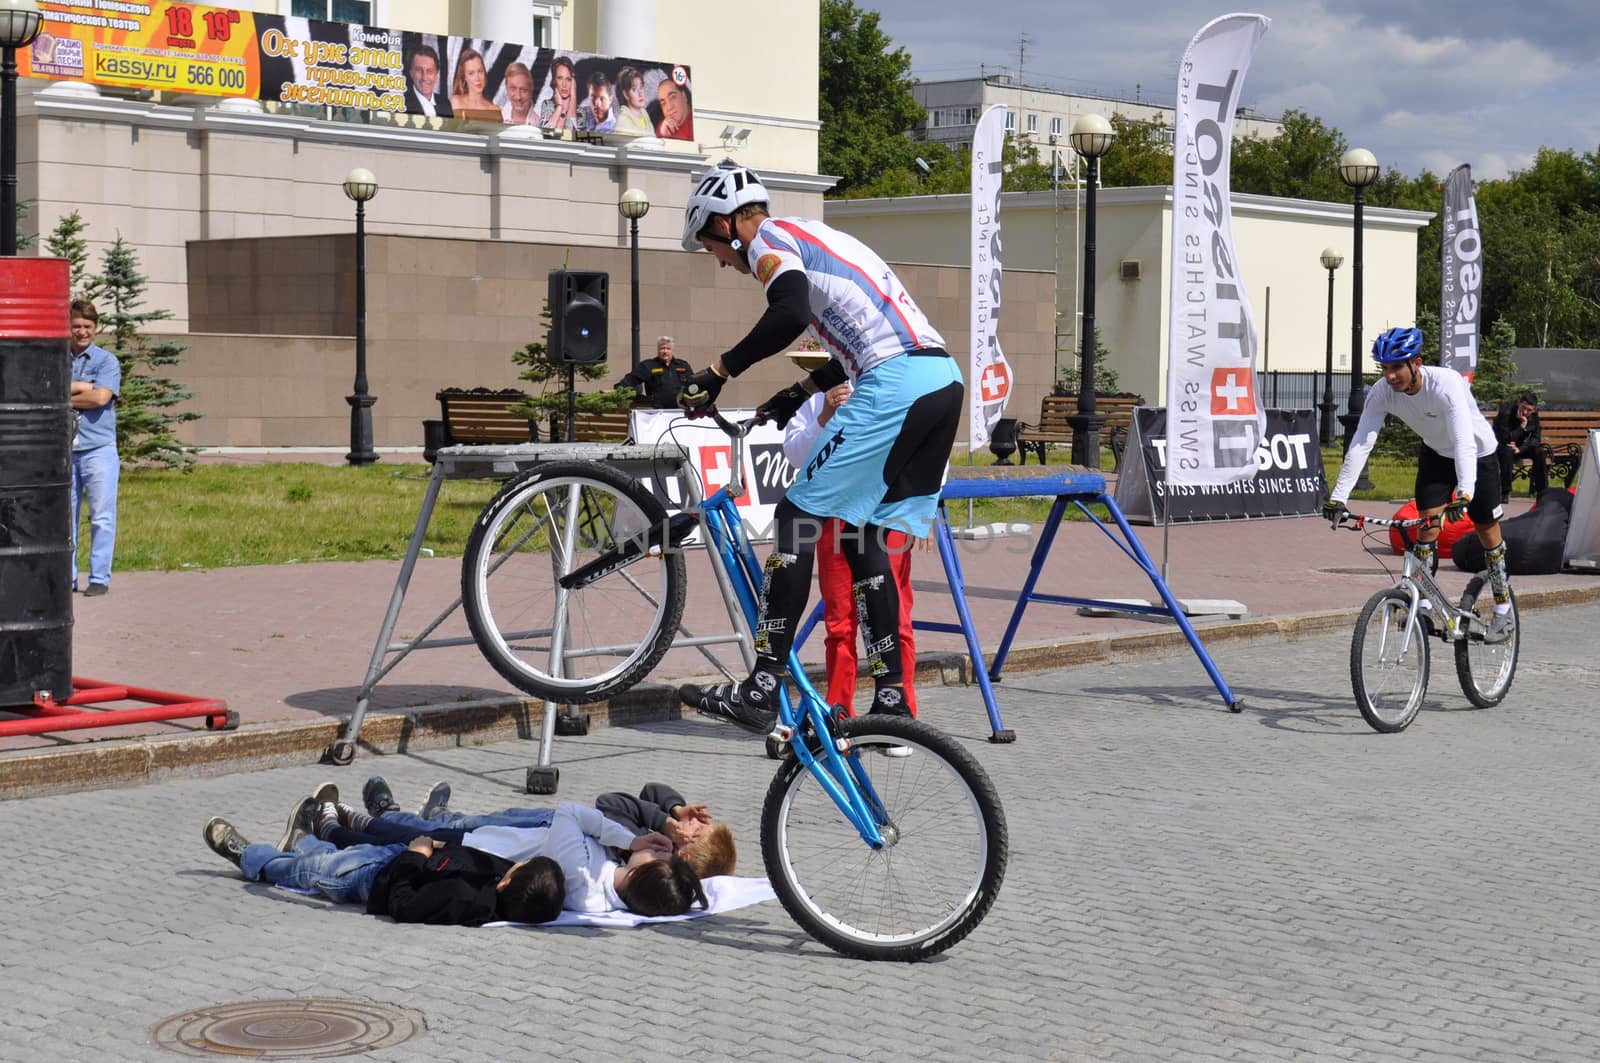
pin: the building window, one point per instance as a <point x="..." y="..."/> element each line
<point x="952" y="116"/>
<point x="547" y="25"/>
<point x="1169" y="136"/>
<point x="1033" y="123"/>
<point x="1055" y="126"/>
<point x="356" y="11"/>
<point x="1011" y="121"/>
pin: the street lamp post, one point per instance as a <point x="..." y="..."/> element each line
<point x="1358" y="168"/>
<point x="634" y="205"/>
<point x="1331" y="260"/>
<point x="360" y="185"/>
<point x="1092" y="136"/>
<point x="19" y="25"/>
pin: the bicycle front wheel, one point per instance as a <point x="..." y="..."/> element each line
<point x="588" y="642"/>
<point x="945" y="853"/>
<point x="1485" y="669"/>
<point x="1389" y="662"/>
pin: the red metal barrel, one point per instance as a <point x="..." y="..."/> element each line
<point x="35" y="481"/>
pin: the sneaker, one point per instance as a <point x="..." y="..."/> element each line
<point x="302" y="821"/>
<point x="96" y="590"/>
<point x="378" y="798"/>
<point x="1501" y="628"/>
<point x="438" y="802"/>
<point x="723" y="702"/>
<point x="224" y="840"/>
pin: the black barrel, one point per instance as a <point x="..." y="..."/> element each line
<point x="35" y="481"/>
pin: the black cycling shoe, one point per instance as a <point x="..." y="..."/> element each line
<point x="378" y="798"/>
<point x="723" y="702"/>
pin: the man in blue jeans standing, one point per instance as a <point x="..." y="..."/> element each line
<point x="96" y="382"/>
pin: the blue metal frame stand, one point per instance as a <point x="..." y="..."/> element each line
<point x="1078" y="489"/>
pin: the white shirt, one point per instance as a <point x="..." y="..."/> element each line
<point x="578" y="839"/>
<point x="801" y="433"/>
<point x="860" y="311"/>
<point x="1443" y="412"/>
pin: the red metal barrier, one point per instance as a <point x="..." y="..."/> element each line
<point x="48" y="716"/>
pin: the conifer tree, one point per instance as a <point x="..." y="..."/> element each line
<point x="146" y="413"/>
<point x="67" y="242"/>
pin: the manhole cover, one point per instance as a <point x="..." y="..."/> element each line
<point x="287" y="1029"/>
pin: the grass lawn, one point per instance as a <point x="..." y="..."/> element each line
<point x="223" y="515"/>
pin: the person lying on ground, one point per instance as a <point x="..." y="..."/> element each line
<point x="707" y="845"/>
<point x="650" y="880"/>
<point x="418" y="883"/>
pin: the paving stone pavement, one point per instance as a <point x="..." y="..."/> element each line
<point x="1184" y="884"/>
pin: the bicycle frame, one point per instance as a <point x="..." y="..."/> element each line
<point x="729" y="546"/>
<point x="1416" y="581"/>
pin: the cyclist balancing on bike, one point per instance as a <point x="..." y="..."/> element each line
<point x="1457" y="470"/>
<point x="878" y="465"/>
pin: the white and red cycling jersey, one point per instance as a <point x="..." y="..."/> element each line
<point x="860" y="312"/>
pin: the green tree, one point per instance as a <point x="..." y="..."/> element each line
<point x="67" y="242"/>
<point x="146" y="407"/>
<point x="1105" y="378"/>
<point x="865" y="101"/>
<point x="551" y="376"/>
<point x="1301" y="162"/>
<point x="25" y="240"/>
<point x="1140" y="156"/>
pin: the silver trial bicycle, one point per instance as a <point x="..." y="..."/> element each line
<point x="1389" y="653"/>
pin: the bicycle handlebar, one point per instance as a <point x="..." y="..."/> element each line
<point x="1358" y="521"/>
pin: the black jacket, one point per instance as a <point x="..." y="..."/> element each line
<point x="643" y="814"/>
<point x="661" y="382"/>
<point x="1508" y="428"/>
<point x="453" y="887"/>
<point x="441" y="103"/>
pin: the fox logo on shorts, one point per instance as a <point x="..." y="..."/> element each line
<point x="822" y="455"/>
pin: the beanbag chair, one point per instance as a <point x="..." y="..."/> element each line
<point x="1452" y="530"/>
<point x="1534" y="540"/>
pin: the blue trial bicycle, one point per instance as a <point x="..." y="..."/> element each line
<point x="882" y="836"/>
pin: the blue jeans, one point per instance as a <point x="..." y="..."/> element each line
<point x="341" y="875"/>
<point x="94" y="477"/>
<point x="509" y="817"/>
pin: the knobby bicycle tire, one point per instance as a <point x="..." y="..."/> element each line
<point x="611" y="631"/>
<point x="1389" y="686"/>
<point x="1477" y="660"/>
<point x="924" y="891"/>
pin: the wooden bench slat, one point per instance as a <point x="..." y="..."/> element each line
<point x="1053" y="425"/>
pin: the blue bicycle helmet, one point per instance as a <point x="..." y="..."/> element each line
<point x="1397" y="345"/>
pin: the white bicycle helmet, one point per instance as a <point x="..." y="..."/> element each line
<point x="725" y="188"/>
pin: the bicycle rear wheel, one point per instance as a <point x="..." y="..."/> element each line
<point x="1486" y="669"/>
<point x="1388" y="662"/>
<point x="938" y="874"/>
<point x="594" y="640"/>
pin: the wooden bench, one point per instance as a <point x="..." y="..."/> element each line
<point x="611" y="427"/>
<point x="1052" y="426"/>
<point x="478" y="417"/>
<point x="1564" y="433"/>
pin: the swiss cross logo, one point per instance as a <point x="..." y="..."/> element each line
<point x="995" y="383"/>
<point x="1233" y="393"/>
<point x="716" y="469"/>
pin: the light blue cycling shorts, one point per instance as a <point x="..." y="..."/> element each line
<point x="881" y="459"/>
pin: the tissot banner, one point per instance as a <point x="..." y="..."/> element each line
<point x="990" y="375"/>
<point x="1217" y="422"/>
<point x="217" y="51"/>
<point x="1461" y="262"/>
<point x="1288" y="478"/>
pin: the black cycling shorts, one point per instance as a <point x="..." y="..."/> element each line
<point x="1436" y="482"/>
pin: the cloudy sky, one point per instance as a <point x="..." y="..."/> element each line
<point x="1422" y="83"/>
